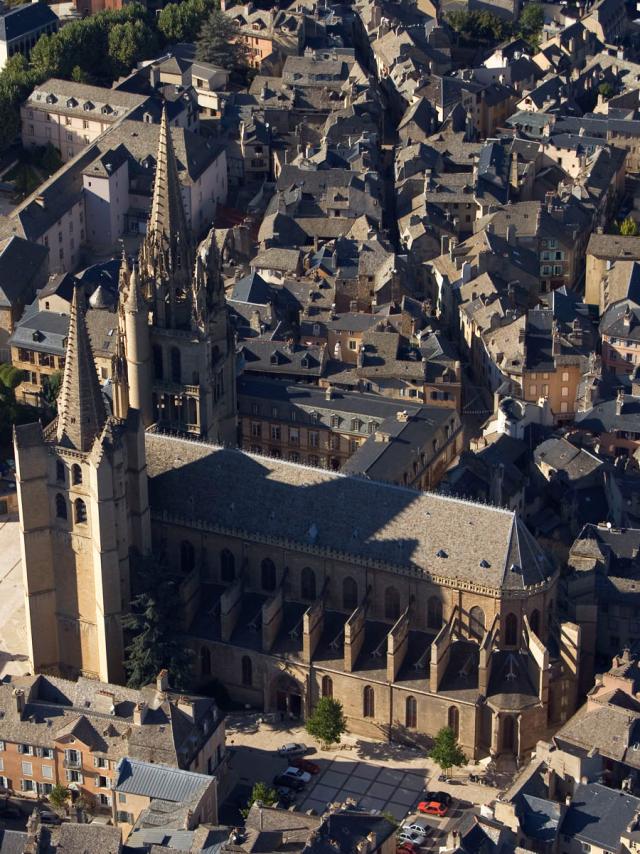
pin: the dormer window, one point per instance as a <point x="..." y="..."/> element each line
<point x="88" y="106"/>
<point x="106" y="110"/>
<point x="51" y="99"/>
<point x="71" y="103"/>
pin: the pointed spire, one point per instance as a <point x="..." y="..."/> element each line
<point x="119" y="379"/>
<point x="81" y="410"/>
<point x="134" y="301"/>
<point x="167" y="219"/>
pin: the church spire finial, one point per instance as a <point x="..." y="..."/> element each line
<point x="167" y="218"/>
<point x="81" y="409"/>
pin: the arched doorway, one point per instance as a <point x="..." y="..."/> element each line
<point x="288" y="696"/>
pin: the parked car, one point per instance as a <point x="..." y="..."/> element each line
<point x="298" y="773"/>
<point x="419" y="826"/>
<point x="290" y="782"/>
<point x="50" y="817"/>
<point x="286" y="796"/>
<point x="437" y="805"/>
<point x="305" y="765"/>
<point x="293" y="748"/>
<point x="407" y="848"/>
<point x="406" y="835"/>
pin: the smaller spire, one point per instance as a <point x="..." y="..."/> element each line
<point x="81" y="409"/>
<point x="134" y="301"/>
<point x="120" y="384"/>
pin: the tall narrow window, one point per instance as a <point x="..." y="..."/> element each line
<point x="76" y="474"/>
<point x="349" y="594"/>
<point x="176" y="366"/>
<point x="308" y="583"/>
<point x="205" y="661"/>
<point x="434" y="613"/>
<point x="247" y="671"/>
<point x="327" y="686"/>
<point x="61" y="506"/>
<point x="453" y="721"/>
<point x="268" y="574"/>
<point x="368" y="702"/>
<point x="80" y="511"/>
<point x="187" y="556"/>
<point x="227" y="566"/>
<point x="60" y="471"/>
<point x="476" y="623"/>
<point x="411" y="713"/>
<point x="391" y="603"/>
<point x="158" y="367"/>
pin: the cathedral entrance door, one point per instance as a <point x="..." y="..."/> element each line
<point x="289" y="697"/>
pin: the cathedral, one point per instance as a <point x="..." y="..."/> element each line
<point x="414" y="609"/>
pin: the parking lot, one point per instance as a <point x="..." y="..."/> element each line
<point x="376" y="775"/>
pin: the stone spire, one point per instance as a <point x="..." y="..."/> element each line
<point x="167" y="221"/>
<point x="81" y="409"/>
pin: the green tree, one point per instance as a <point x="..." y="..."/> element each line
<point x="446" y="751"/>
<point x="531" y="22"/>
<point x="58" y="796"/>
<point x="128" y="43"/>
<point x="606" y="90"/>
<point x="473" y="26"/>
<point x="51" y="389"/>
<point x="180" y="22"/>
<point x="78" y="75"/>
<point x="262" y="792"/>
<point x="219" y="43"/>
<point x="327" y="723"/>
<point x="629" y="227"/>
<point x="155" y="642"/>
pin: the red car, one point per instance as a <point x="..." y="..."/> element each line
<point x="437" y="804"/>
<point x="305" y="765"/>
<point x="407" y="848"/>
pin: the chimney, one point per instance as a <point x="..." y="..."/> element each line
<point x="255" y="322"/>
<point x="139" y="713"/>
<point x="328" y="393"/>
<point x="620" y="402"/>
<point x="18" y="693"/>
<point x="162" y="681"/>
<point x="402" y="416"/>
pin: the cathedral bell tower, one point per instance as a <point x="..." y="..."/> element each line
<point x="182" y="367"/>
<point x="82" y="493"/>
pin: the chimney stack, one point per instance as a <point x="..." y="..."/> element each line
<point x="162" y="681"/>
<point x="620" y="402"/>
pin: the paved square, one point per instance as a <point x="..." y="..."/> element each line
<point x="373" y="787"/>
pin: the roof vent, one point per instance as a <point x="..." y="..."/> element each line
<point x="485" y="564"/>
<point x="515" y="567"/>
<point x="441" y="553"/>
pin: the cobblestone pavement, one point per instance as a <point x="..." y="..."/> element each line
<point x="13" y="635"/>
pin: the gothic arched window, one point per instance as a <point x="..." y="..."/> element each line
<point x="268" y="574"/>
<point x="434" y="613"/>
<point x="227" y="566"/>
<point x="187" y="556"/>
<point x="327" y="686"/>
<point x="158" y="362"/>
<point x="80" y="513"/>
<point x="176" y="365"/>
<point x="61" y="506"/>
<point x="247" y="671"/>
<point x="308" y="583"/>
<point x="205" y="661"/>
<point x="76" y="474"/>
<point x="453" y="720"/>
<point x="411" y="713"/>
<point x="391" y="603"/>
<point x="368" y="702"/>
<point x="349" y="594"/>
<point x="476" y="623"/>
<point x="511" y="630"/>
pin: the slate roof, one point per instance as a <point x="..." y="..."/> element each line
<point x="159" y="781"/>
<point x="599" y="815"/>
<point x="71" y="838"/>
<point x="18" y="21"/>
<point x="20" y="261"/>
<point x="604" y="418"/>
<point x="316" y="507"/>
<point x="81" y="98"/>
<point x="622" y="320"/>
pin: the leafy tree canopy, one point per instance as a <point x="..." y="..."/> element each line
<point x="155" y="640"/>
<point x="446" y="751"/>
<point x="261" y="792"/>
<point x="218" y="42"/>
<point x="327" y="723"/>
<point x="629" y="227"/>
